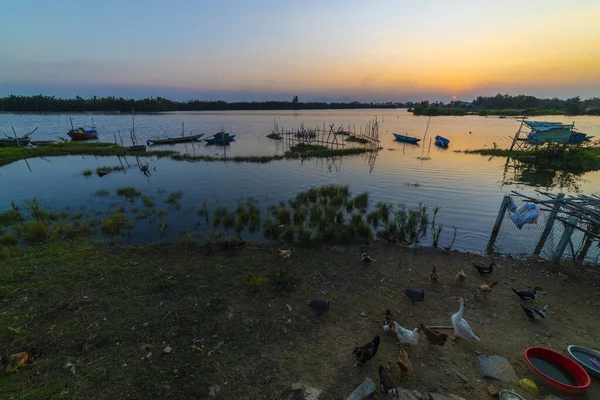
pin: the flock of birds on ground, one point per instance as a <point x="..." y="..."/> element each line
<point x="461" y="327"/>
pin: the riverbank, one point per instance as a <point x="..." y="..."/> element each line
<point x="172" y="322"/>
<point x="12" y="154"/>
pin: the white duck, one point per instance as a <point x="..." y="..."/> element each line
<point x="461" y="326"/>
<point x="405" y="336"/>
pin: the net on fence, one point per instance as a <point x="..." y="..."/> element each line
<point x="523" y="242"/>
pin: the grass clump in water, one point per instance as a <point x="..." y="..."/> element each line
<point x="34" y="232"/>
<point x="129" y="192"/>
<point x="87" y="172"/>
<point x="356" y="139"/>
<point x="148" y="201"/>
<point x="174" y="198"/>
<point x="101" y="193"/>
<point x="115" y="225"/>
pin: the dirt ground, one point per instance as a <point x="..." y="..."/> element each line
<point x="113" y="312"/>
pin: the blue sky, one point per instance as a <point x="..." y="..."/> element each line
<point x="323" y="50"/>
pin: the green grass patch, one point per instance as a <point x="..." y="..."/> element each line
<point x="11" y="154"/>
<point x="87" y="172"/>
<point x="304" y="150"/>
<point x="356" y="139"/>
<point x="128" y="192"/>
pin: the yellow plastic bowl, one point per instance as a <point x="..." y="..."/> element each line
<point x="529" y="386"/>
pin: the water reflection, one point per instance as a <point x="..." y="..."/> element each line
<point x="516" y="172"/>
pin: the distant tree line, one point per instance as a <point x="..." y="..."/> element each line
<point x="511" y="105"/>
<point x="42" y="103"/>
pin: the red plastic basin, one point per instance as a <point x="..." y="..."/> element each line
<point x="579" y="374"/>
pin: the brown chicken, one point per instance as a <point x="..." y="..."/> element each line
<point x="433" y="277"/>
<point x="486" y="288"/>
<point x="460" y="277"/>
<point x="434" y="337"/>
<point x="404" y="364"/>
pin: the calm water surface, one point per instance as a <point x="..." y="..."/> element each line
<point x="468" y="188"/>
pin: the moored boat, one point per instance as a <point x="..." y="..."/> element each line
<point x="81" y="134"/>
<point x="173" y="140"/>
<point x="406" y="139"/>
<point x="220" y="138"/>
<point x="442" y="141"/>
<point x="15" y="142"/>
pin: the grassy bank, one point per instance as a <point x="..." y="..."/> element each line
<point x="12" y="154"/>
<point x="160" y="322"/>
<point x="556" y="157"/>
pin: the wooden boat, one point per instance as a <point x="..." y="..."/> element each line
<point x="442" y="141"/>
<point x="585" y="356"/>
<point x="80" y="134"/>
<point x="406" y="139"/>
<point x="173" y="140"/>
<point x="220" y="138"/>
<point x="15" y="142"/>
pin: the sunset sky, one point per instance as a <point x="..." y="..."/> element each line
<point x="374" y="50"/>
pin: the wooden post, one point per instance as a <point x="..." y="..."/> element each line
<point x="549" y="225"/>
<point x="518" y="134"/>
<point x="564" y="240"/>
<point x="499" y="219"/>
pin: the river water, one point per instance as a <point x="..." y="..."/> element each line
<point x="468" y="188"/>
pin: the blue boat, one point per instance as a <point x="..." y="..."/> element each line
<point x="220" y="138"/>
<point x="442" y="141"/>
<point x="407" y="139"/>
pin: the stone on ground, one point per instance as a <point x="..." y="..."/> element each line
<point x="311" y="393"/>
<point x="497" y="367"/>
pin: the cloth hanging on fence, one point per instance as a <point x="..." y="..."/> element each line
<point x="527" y="214"/>
<point x="512" y="206"/>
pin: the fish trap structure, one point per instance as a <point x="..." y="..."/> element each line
<point x="565" y="227"/>
<point x="330" y="136"/>
<point x="532" y="134"/>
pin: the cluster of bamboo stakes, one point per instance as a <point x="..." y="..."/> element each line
<point x="328" y="136"/>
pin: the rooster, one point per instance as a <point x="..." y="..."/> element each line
<point x="366" y="352"/>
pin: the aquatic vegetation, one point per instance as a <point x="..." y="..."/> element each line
<point x="147" y="201"/>
<point x="11" y="154"/>
<point x="87" y="172"/>
<point x="101" y="193"/>
<point x="7" y="239"/>
<point x="361" y="201"/>
<point x="356" y="139"/>
<point x="188" y="241"/>
<point x="174" y="197"/>
<point x="115" y="225"/>
<point x="128" y="192"/>
<point x="303" y="150"/>
<point x="34" y="232"/>
<point x="74" y="230"/>
<point x="107" y="169"/>
<point x="10" y="217"/>
<point x="552" y="156"/>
